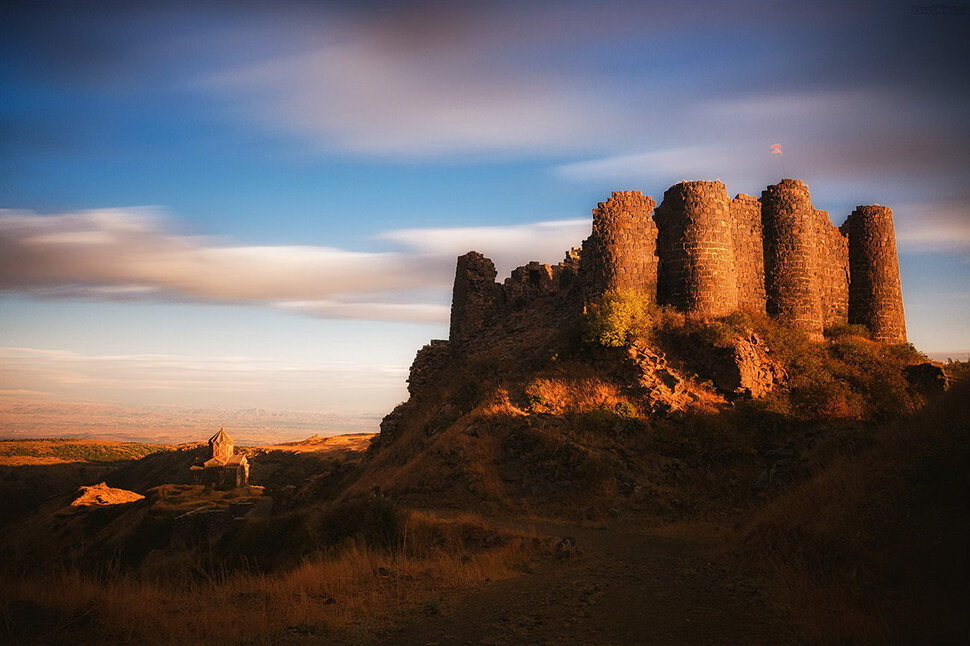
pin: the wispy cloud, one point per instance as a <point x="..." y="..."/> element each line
<point x="119" y="254"/>
<point x="356" y="98"/>
<point x="346" y="387"/>
<point x="934" y="226"/>
<point x="430" y="80"/>
<point x="689" y="162"/>
<point x="508" y="246"/>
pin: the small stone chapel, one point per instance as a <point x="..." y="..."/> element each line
<point x="224" y="468"/>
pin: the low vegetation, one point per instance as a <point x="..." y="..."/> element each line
<point x="847" y="376"/>
<point x="354" y="587"/>
<point x="872" y="547"/>
<point x="79" y="450"/>
<point x="617" y="318"/>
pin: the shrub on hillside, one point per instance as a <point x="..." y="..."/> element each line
<point x="617" y="318"/>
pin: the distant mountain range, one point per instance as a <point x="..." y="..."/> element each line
<point x="25" y="415"/>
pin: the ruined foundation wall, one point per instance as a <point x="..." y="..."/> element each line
<point x="875" y="294"/>
<point x="791" y="273"/>
<point x="749" y="259"/>
<point x="833" y="270"/>
<point x="695" y="245"/>
<point x="620" y="254"/>
<point x="475" y="297"/>
<point x="531" y="281"/>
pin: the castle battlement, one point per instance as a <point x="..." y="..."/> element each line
<point x="709" y="255"/>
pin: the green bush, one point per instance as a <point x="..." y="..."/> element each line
<point x="618" y="318"/>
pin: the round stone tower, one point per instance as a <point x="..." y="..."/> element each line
<point x="621" y="252"/>
<point x="791" y="267"/>
<point x="875" y="294"/>
<point x="697" y="272"/>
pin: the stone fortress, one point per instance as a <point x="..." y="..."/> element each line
<point x="708" y="255"/>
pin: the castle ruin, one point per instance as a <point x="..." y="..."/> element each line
<point x="708" y="255"/>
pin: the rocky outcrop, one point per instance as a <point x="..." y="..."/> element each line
<point x="662" y="390"/>
<point x="745" y="368"/>
<point x="101" y="495"/>
<point x="699" y="252"/>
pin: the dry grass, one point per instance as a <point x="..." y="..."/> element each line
<point x="873" y="548"/>
<point x="351" y="591"/>
<point x="563" y="395"/>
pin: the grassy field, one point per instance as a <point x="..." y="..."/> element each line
<point x="55" y="450"/>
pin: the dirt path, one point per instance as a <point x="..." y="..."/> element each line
<point x="623" y="589"/>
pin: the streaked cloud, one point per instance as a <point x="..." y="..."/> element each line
<point x="234" y="381"/>
<point x="508" y="246"/>
<point x="934" y="226"/>
<point x="122" y="254"/>
<point x="422" y="312"/>
<point x="687" y="161"/>
<point x="363" y="95"/>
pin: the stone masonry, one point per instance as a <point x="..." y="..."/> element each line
<point x="621" y="252"/>
<point x="792" y="283"/>
<point x="695" y="245"/>
<point x="832" y="248"/>
<point x="749" y="252"/>
<point x="474" y="298"/>
<point x="706" y="255"/>
<point x="875" y="295"/>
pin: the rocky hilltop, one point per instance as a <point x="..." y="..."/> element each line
<point x="728" y="311"/>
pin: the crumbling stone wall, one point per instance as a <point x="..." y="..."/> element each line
<point x="749" y="257"/>
<point x="620" y="253"/>
<point x="697" y="272"/>
<point x="875" y="294"/>
<point x="475" y="297"/>
<point x="530" y="282"/>
<point x="791" y="268"/>
<point x="833" y="270"/>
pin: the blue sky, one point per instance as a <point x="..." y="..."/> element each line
<point x="204" y="201"/>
